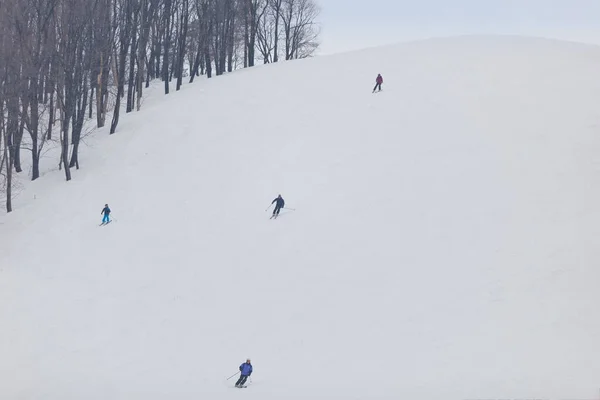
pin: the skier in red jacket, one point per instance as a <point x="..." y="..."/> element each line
<point x="378" y="83"/>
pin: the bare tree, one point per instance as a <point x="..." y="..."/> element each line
<point x="276" y="6"/>
<point x="266" y="31"/>
<point x="255" y="9"/>
<point x="168" y="27"/>
<point x="83" y="63"/>
<point x="124" y="10"/>
<point x="61" y="61"/>
<point x="35" y="39"/>
<point x="11" y="18"/>
<point x="135" y="10"/>
<point x="184" y="20"/>
<point x="102" y="47"/>
<point x="207" y="31"/>
<point x="198" y="27"/>
<point x="148" y="9"/>
<point x="300" y="28"/>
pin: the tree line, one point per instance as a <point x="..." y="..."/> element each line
<point x="64" y="62"/>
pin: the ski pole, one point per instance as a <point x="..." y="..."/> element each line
<point x="233" y="375"/>
<point x="291" y="209"/>
<point x="268" y="207"/>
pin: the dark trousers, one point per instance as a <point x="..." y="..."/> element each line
<point x="242" y="380"/>
<point x="276" y="210"/>
<point x="377" y="85"/>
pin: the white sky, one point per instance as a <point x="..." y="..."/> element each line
<point x="355" y="24"/>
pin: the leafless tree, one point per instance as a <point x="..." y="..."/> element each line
<point x="300" y="28"/>
<point x="184" y="20"/>
<point x="123" y="11"/>
<point x="255" y="10"/>
<point x="102" y="37"/>
<point x="167" y="34"/>
<point x="62" y="61"/>
<point x="148" y="10"/>
<point x="267" y="31"/>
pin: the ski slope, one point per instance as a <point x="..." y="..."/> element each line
<point x="444" y="243"/>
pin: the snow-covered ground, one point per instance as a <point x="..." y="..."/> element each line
<point x="444" y="243"/>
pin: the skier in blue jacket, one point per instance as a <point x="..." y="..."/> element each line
<point x="106" y="212"/>
<point x="245" y="372"/>
<point x="279" y="204"/>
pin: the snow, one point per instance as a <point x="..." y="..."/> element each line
<point x="444" y="243"/>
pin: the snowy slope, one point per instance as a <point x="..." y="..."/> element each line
<point x="444" y="243"/>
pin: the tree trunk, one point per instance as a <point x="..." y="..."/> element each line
<point x="167" y="40"/>
<point x="115" y="120"/>
<point x="208" y="34"/>
<point x="157" y="52"/>
<point x="252" y="39"/>
<point x="125" y="39"/>
<point x="50" y="117"/>
<point x="78" y="119"/>
<point x="184" y="21"/>
<point x="35" y="160"/>
<point x="12" y="122"/>
<point x="33" y="128"/>
<point x="131" y="86"/>
<point x="65" y="150"/>
<point x="276" y="33"/>
<point x="231" y="38"/>
<point x="8" y="178"/>
<point x="100" y="105"/>
<point x="146" y="15"/>
<point x="12" y="125"/>
<point x="196" y="66"/>
<point x="91" y="108"/>
<point x="17" y="144"/>
<point x="246" y="32"/>
<point x="64" y="131"/>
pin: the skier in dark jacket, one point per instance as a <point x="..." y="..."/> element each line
<point x="279" y="204"/>
<point x="378" y="83"/>
<point x="106" y="212"/>
<point x="245" y="372"/>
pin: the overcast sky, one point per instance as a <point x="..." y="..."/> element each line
<point x="355" y="24"/>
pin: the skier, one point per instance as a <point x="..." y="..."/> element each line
<point x="279" y="204"/>
<point x="378" y="83"/>
<point x="245" y="372"/>
<point x="106" y="212"/>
